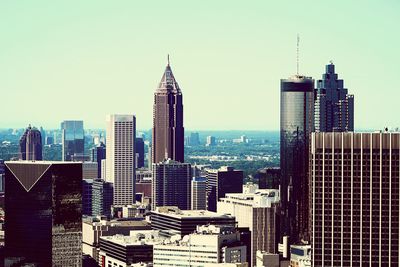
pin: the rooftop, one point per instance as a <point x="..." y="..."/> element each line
<point x="136" y="238"/>
<point x="175" y="212"/>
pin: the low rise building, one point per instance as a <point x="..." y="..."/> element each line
<point x="208" y="245"/>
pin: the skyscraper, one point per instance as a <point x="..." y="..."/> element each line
<point x="171" y="184"/>
<point x="120" y="160"/>
<point x="220" y="182"/>
<point x="334" y="107"/>
<point x="199" y="193"/>
<point x="30" y="144"/>
<point x="355" y="199"/>
<point x="73" y="141"/>
<point x="297" y="117"/>
<point x="98" y="154"/>
<point x="43" y="205"/>
<point x="139" y="152"/>
<point x="168" y="131"/>
<point x="102" y="197"/>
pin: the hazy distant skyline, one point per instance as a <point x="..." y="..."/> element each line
<point x="86" y="59"/>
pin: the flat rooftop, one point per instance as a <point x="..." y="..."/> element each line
<point x="182" y="214"/>
<point x="136" y="238"/>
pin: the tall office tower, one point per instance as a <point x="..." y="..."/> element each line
<point x="171" y="184"/>
<point x="257" y="209"/>
<point x="102" y="197"/>
<point x="220" y="182"/>
<point x="98" y="154"/>
<point x="211" y="141"/>
<point x="168" y="131"/>
<point x="297" y="123"/>
<point x="89" y="170"/>
<point x="120" y="159"/>
<point x="73" y="141"/>
<point x="199" y="193"/>
<point x="334" y="107"/>
<point x="355" y="199"/>
<point x="30" y="144"/>
<point x="139" y="152"/>
<point x="43" y="205"/>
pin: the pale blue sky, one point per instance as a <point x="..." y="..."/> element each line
<point x="85" y="59"/>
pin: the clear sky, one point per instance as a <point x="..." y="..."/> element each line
<point x="85" y="59"/>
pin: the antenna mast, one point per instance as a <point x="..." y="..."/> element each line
<point x="298" y="43"/>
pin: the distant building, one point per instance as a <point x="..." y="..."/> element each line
<point x="98" y="153"/>
<point x="220" y="182"/>
<point x="139" y="152"/>
<point x="73" y="141"/>
<point x="49" y="140"/>
<point x="171" y="184"/>
<point x="199" y="193"/>
<point x="87" y="185"/>
<point x="211" y="141"/>
<point x="120" y="166"/>
<point x="209" y="244"/>
<point x="257" y="209"/>
<point x="297" y="123"/>
<point x="30" y="145"/>
<point x="185" y="222"/>
<point x="194" y="139"/>
<point x="354" y="190"/>
<point x="102" y="197"/>
<point x="168" y="132"/>
<point x="269" y="178"/>
<point x="334" y="106"/>
<point x="43" y="203"/>
<point x="120" y="250"/>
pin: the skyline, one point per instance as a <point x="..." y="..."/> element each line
<point x="107" y="58"/>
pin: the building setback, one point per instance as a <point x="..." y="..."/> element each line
<point x="168" y="132"/>
<point x="185" y="222"/>
<point x="334" y="107"/>
<point x="171" y="184"/>
<point x="355" y="199"/>
<point x="297" y="123"/>
<point x="120" y="160"/>
<point x="43" y="205"/>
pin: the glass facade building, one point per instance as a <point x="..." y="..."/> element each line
<point x="73" y="141"/>
<point x="297" y="123"/>
<point x="43" y="210"/>
<point x="334" y="107"/>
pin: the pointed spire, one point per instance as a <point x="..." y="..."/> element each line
<point x="168" y="59"/>
<point x="168" y="82"/>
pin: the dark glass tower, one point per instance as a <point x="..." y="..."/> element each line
<point x="168" y="131"/>
<point x="297" y="117"/>
<point x="73" y="141"/>
<point x="30" y="144"/>
<point x="98" y="154"/>
<point x="43" y="207"/>
<point x="139" y="152"/>
<point x="334" y="107"/>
